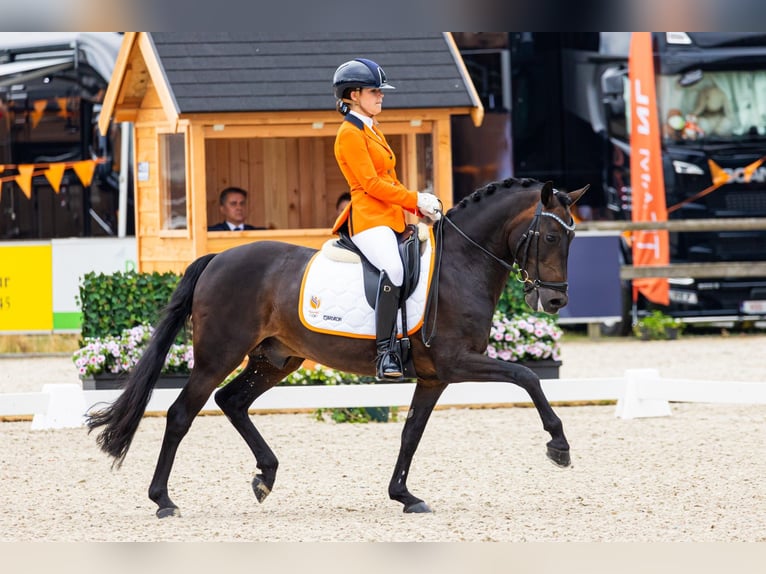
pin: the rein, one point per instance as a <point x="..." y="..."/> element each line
<point x="525" y="241"/>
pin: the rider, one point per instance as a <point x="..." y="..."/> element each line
<point x="378" y="198"/>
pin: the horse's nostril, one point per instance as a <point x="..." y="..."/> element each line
<point x="558" y="302"/>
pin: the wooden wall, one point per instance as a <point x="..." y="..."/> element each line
<point x="158" y="250"/>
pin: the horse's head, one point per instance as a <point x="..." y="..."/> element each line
<point x="542" y="251"/>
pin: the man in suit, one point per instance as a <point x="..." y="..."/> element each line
<point x="233" y="208"/>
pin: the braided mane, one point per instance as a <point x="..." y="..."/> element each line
<point x="505" y="184"/>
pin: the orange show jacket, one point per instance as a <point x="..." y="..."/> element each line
<point x="368" y="163"/>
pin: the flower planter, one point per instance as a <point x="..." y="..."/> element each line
<point x="110" y="381"/>
<point x="544" y="368"/>
<point x="667" y="333"/>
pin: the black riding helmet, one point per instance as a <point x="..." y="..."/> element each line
<point x="359" y="73"/>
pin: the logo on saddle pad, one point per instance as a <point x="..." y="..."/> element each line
<point x="332" y="298"/>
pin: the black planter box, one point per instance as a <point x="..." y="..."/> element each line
<point x="544" y="368"/>
<point x="109" y="381"/>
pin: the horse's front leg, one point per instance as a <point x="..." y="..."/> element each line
<point x="477" y="367"/>
<point x="423" y="402"/>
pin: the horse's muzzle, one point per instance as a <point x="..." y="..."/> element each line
<point x="546" y="299"/>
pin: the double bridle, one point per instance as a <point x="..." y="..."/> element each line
<point x="523" y="245"/>
<point x="522" y="275"/>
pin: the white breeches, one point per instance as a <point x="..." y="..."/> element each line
<point x="380" y="246"/>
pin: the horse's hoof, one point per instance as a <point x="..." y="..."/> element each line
<point x="417" y="508"/>
<point x="260" y="489"/>
<point x="169" y="511"/>
<point x="559" y="457"/>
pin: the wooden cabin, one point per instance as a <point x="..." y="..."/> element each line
<point x="256" y="111"/>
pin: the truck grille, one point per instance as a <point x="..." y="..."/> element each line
<point x="747" y="201"/>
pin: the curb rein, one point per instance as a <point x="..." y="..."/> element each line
<point x="521" y="274"/>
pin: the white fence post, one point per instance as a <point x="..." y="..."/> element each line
<point x="634" y="403"/>
<point x="66" y="408"/>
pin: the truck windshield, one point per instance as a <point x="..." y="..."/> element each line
<point x="722" y="105"/>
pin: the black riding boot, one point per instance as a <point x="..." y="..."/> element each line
<point x="389" y="364"/>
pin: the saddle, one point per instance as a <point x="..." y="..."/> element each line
<point x="410" y="250"/>
<point x="411" y="247"/>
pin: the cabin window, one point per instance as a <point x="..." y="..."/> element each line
<point x="173" y="181"/>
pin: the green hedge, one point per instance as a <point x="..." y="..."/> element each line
<point x="114" y="302"/>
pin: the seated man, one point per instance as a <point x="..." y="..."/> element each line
<point x="233" y="208"/>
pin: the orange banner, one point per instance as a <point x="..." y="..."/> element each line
<point x="650" y="247"/>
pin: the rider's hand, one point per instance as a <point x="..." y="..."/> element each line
<point x="429" y="206"/>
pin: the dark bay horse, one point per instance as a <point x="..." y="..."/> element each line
<point x="244" y="302"/>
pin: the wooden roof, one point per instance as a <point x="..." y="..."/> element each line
<point x="210" y="72"/>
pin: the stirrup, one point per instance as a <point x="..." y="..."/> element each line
<point x="390" y="372"/>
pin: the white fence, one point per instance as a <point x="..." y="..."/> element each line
<point x="639" y="393"/>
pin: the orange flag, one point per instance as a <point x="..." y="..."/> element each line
<point x="54" y="174"/>
<point x="84" y="170"/>
<point x="62" y="103"/>
<point x="650" y="247"/>
<point x="24" y="179"/>
<point x="37" y="114"/>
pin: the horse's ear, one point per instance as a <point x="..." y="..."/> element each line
<point x="546" y="194"/>
<point x="577" y="193"/>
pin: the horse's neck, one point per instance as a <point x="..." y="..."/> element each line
<point x="481" y="278"/>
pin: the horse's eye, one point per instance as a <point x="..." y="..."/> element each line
<point x="551" y="238"/>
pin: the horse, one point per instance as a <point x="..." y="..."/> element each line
<point x="242" y="303"/>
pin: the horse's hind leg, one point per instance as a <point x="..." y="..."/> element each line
<point x="235" y="400"/>
<point x="423" y="402"/>
<point x="179" y="419"/>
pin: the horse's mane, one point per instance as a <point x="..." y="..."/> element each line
<point x="508" y="184"/>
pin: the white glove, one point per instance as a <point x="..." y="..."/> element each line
<point x="429" y="206"/>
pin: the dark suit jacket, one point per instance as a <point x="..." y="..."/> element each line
<point x="223" y="227"/>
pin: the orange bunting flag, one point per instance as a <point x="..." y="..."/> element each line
<point x="84" y="170"/>
<point x="54" y="174"/>
<point x="63" y="112"/>
<point x="24" y="179"/>
<point x="37" y="114"/>
<point x="650" y="247"/>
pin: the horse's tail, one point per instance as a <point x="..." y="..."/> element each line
<point x="121" y="419"/>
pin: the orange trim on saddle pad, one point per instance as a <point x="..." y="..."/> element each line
<point x="332" y="299"/>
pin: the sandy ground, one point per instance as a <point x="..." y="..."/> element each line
<point x="694" y="476"/>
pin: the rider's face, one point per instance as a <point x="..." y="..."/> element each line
<point x="369" y="100"/>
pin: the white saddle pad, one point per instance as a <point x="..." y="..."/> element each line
<point x="332" y="297"/>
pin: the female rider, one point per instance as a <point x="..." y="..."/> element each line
<point x="378" y="198"/>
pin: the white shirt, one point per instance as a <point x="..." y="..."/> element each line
<point x="367" y="120"/>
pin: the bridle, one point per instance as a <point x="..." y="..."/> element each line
<point x="518" y="267"/>
<point x="524" y="243"/>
